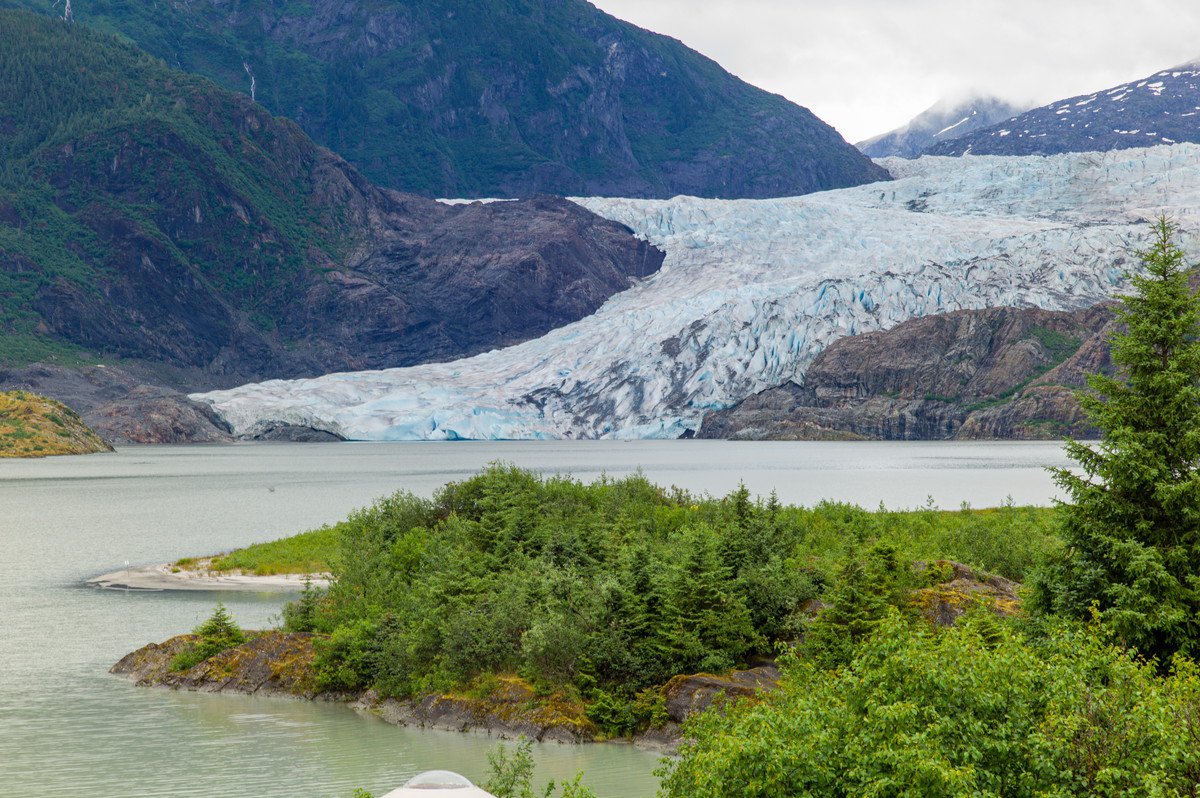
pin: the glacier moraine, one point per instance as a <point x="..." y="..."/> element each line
<point x="752" y="290"/>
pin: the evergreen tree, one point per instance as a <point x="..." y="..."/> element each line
<point x="1132" y="527"/>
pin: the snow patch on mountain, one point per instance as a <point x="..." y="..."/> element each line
<point x="752" y="290"/>
<point x="1141" y="113"/>
<point x="944" y="121"/>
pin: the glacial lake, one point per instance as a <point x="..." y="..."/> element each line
<point x="69" y="728"/>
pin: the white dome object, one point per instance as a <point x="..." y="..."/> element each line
<point x="444" y="782"/>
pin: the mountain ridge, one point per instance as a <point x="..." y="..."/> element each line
<point x="497" y="98"/>
<point x="1162" y="108"/>
<point x="945" y="120"/>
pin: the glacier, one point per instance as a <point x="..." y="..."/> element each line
<point x="752" y="290"/>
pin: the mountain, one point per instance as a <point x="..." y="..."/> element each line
<point x="752" y="291"/>
<point x="991" y="373"/>
<point x="496" y="98"/>
<point x="1161" y="109"/>
<point x="943" y="121"/>
<point x="147" y="215"/>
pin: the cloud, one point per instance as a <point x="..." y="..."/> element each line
<point x="866" y="66"/>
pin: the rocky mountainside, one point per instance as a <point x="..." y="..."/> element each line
<point x="149" y="217"/>
<point x="992" y="373"/>
<point x="1160" y="109"/>
<point x="34" y="426"/>
<point x="488" y="98"/>
<point x="752" y="291"/>
<point x="944" y="121"/>
<point x="121" y="407"/>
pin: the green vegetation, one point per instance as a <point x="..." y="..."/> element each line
<point x="485" y="98"/>
<point x="218" y="633"/>
<point x="109" y="158"/>
<point x="1133" y="525"/>
<point x="310" y="552"/>
<point x="34" y="426"/>
<point x="595" y="593"/>
<point x="1095" y="695"/>
<point x="976" y="709"/>
<point x="512" y="775"/>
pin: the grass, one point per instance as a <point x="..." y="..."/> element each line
<point x="309" y="552"/>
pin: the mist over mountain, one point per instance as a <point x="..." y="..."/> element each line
<point x="946" y="120"/>
<point x="1161" y="108"/>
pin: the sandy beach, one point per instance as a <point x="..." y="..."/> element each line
<point x="166" y="576"/>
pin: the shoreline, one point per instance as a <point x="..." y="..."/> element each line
<point x="165" y="576"/>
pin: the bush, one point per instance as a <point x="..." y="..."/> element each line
<point x="619" y="580"/>
<point x="218" y="633"/>
<point x="346" y="659"/>
<point x="977" y="709"/>
<point x="512" y="775"/>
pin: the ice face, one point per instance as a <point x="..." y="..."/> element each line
<point x="752" y="290"/>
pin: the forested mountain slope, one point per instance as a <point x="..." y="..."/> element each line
<point x="486" y="98"/>
<point x="148" y="215"/>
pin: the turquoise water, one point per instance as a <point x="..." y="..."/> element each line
<point x="69" y="728"/>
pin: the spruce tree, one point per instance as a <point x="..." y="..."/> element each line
<point x="1132" y="523"/>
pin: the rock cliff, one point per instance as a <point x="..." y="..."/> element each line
<point x="993" y="373"/>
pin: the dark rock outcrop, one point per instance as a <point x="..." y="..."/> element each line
<point x="508" y="710"/>
<point x="269" y="663"/>
<point x="279" y="663"/>
<point x="960" y="588"/>
<point x="688" y="695"/>
<point x="994" y="373"/>
<point x="450" y="99"/>
<point x="121" y="407"/>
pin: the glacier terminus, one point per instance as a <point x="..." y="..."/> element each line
<point x="752" y="290"/>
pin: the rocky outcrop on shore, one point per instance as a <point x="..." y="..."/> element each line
<point x="120" y="406"/>
<point x="971" y="374"/>
<point x="34" y="426"/>
<point x="281" y="664"/>
<point x="508" y="708"/>
<point x="269" y="663"/>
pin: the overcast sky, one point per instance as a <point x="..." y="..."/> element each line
<point x="866" y="66"/>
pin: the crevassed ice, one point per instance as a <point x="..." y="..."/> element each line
<point x="752" y="290"/>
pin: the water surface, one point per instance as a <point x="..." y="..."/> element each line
<point x="68" y="728"/>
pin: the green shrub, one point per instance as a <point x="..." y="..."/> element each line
<point x="977" y="709"/>
<point x="305" y="613"/>
<point x="512" y="775"/>
<point x="345" y="659"/>
<point x="218" y="633"/>
<point x="620" y="581"/>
